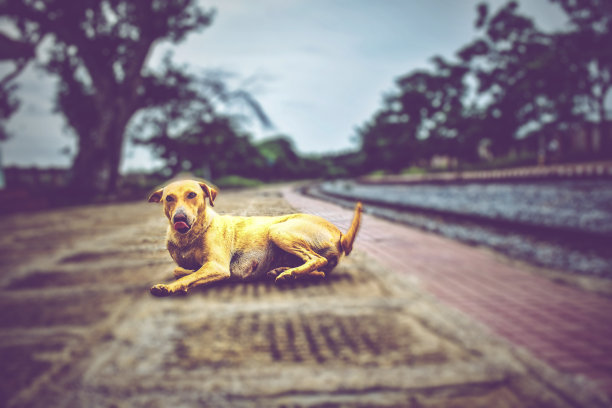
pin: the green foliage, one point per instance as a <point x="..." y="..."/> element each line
<point x="280" y="159"/>
<point x="233" y="181"/>
<point x="413" y="170"/>
<point x="377" y="174"/>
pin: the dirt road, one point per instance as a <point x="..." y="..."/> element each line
<point x="80" y="329"/>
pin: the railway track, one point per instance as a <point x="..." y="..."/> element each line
<point x="573" y="241"/>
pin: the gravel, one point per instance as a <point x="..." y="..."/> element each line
<point x="565" y="225"/>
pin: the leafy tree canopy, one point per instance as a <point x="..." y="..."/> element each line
<point x="99" y="52"/>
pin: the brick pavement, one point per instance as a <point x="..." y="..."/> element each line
<point x="567" y="328"/>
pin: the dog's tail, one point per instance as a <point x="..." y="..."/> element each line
<point x="348" y="238"/>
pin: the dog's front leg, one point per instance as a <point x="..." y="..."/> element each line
<point x="180" y="272"/>
<point x="208" y="273"/>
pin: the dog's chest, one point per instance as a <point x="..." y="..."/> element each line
<point x="185" y="258"/>
<point x="188" y="261"/>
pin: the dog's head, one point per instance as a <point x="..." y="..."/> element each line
<point x="184" y="201"/>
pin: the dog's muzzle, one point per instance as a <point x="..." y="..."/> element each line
<point x="181" y="223"/>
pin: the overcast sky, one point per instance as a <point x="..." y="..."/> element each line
<point x="319" y="68"/>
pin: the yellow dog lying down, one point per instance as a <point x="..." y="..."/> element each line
<point x="208" y="247"/>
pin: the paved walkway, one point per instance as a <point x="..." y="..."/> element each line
<point x="79" y="328"/>
<point x="567" y="328"/>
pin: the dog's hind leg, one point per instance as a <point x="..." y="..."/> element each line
<point x="295" y="244"/>
<point x="273" y="274"/>
<point x="310" y="267"/>
<point x="277" y="271"/>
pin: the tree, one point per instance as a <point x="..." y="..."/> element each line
<point x="386" y="143"/>
<point x="514" y="85"/>
<point x="424" y="117"/>
<point x="444" y="126"/>
<point x="541" y="83"/>
<point x="588" y="47"/>
<point x="189" y="131"/>
<point x="20" y="53"/>
<point x="282" y="161"/>
<point x="99" y="52"/>
<point x="513" y="64"/>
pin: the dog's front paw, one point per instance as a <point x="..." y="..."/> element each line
<point x="160" y="290"/>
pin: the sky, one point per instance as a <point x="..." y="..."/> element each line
<point x="319" y="68"/>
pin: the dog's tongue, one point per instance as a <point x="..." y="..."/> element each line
<point x="181" y="226"/>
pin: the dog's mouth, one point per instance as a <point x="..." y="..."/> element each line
<point x="181" y="224"/>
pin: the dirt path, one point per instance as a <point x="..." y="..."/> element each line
<point x="79" y="328"/>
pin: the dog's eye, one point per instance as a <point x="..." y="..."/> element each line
<point x="169" y="199"/>
<point x="191" y="195"/>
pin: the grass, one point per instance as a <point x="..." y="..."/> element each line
<point x="237" y="182"/>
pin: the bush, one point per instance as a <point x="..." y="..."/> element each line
<point x="233" y="181"/>
<point x="413" y="170"/>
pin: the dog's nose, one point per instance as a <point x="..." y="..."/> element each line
<point x="179" y="217"/>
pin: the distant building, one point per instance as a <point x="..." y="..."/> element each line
<point x="441" y="162"/>
<point x="588" y="138"/>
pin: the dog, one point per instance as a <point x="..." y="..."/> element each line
<point x="208" y="247"/>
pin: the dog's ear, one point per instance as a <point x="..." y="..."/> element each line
<point x="210" y="192"/>
<point x="156" y="196"/>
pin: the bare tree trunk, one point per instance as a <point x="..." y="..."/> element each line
<point x="96" y="167"/>
<point x="605" y="142"/>
<point x="115" y="152"/>
<point x="89" y="169"/>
